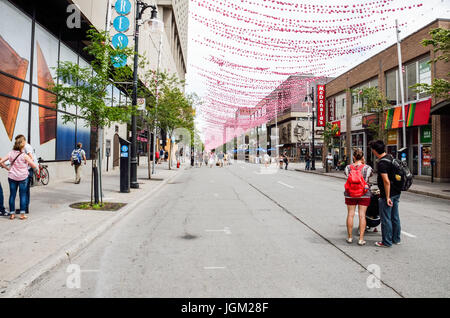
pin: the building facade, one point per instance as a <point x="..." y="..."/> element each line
<point x="427" y="136"/>
<point x="36" y="36"/>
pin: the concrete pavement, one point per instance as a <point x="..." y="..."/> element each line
<point x="240" y="232"/>
<point x="54" y="231"/>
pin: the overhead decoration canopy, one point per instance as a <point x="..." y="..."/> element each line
<point x="264" y="54"/>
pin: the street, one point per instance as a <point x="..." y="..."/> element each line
<point x="240" y="232"/>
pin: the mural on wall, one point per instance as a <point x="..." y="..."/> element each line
<point x="11" y="63"/>
<point x="47" y="117"/>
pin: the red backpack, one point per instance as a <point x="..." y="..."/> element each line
<point x="356" y="186"/>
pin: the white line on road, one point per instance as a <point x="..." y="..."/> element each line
<point x="226" y="230"/>
<point x="214" y="267"/>
<point x="408" y="234"/>
<point x="286" y="185"/>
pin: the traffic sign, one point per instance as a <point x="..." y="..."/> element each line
<point x="120" y="41"/>
<point x="121" y="23"/>
<point x="123" y="7"/>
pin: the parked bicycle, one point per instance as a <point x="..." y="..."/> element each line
<point x="42" y="174"/>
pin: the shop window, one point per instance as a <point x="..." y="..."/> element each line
<point x="424" y="74"/>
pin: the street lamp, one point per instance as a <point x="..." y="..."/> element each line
<point x="140" y="8"/>
<point x="311" y="96"/>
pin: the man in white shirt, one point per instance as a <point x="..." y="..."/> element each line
<point x="78" y="155"/>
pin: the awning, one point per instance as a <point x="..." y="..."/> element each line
<point x="417" y="114"/>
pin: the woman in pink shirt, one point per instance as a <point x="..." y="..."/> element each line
<point x="18" y="176"/>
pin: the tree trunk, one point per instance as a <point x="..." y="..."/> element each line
<point x="170" y="153"/>
<point x="149" y="162"/>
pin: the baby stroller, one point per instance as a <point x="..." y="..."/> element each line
<point x="373" y="214"/>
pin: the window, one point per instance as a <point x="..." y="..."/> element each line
<point x="415" y="72"/>
<point x="340" y="106"/>
<point x="357" y="102"/>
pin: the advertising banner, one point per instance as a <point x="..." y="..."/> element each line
<point x="337" y="124"/>
<point x="320" y="105"/>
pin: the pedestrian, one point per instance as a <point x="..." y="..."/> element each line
<point x="29" y="150"/>
<point x="336" y="160"/>
<point x="18" y="176"/>
<point x="220" y="157"/>
<point x="211" y="159"/>
<point x="161" y="154"/>
<point x="205" y="158"/>
<point x="286" y="160"/>
<point x="357" y="194"/>
<point x="78" y="155"/>
<point x="329" y="161"/>
<point x="266" y="159"/>
<point x="157" y="157"/>
<point x="389" y="196"/>
<point x="307" y="161"/>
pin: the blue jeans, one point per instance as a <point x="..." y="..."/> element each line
<point x="390" y="220"/>
<point x="13" y="185"/>
<point x="2" y="205"/>
<point x="307" y="164"/>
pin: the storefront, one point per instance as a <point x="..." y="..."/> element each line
<point x="418" y="136"/>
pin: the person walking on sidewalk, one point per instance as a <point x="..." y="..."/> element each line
<point x="285" y="160"/>
<point x="389" y="196"/>
<point x="18" y="176"/>
<point x="329" y="162"/>
<point x="307" y="161"/>
<point x="78" y="155"/>
<point x="357" y="194"/>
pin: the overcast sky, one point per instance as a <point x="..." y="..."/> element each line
<point x="199" y="53"/>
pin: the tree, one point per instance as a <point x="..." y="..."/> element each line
<point x="79" y="87"/>
<point x="440" y="87"/>
<point x="374" y="102"/>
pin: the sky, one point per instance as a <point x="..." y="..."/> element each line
<point x="235" y="80"/>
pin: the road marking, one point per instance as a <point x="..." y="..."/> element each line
<point x="212" y="267"/>
<point x="286" y="185"/>
<point x="408" y="234"/>
<point x="226" y="230"/>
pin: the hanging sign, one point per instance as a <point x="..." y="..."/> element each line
<point x="121" y="23"/>
<point x="120" y="41"/>
<point x="119" y="60"/>
<point x="123" y="7"/>
<point x="320" y="105"/>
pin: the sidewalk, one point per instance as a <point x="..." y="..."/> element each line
<point x="54" y="231"/>
<point x="435" y="189"/>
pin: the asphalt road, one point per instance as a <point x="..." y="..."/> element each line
<point x="247" y="231"/>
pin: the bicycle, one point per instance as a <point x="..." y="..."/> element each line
<point x="42" y="174"/>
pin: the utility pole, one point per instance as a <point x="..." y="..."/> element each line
<point x="400" y="75"/>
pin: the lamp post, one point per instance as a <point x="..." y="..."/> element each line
<point x="140" y="8"/>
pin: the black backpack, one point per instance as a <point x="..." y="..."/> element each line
<point x="403" y="178"/>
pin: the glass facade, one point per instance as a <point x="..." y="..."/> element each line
<point x="27" y="60"/>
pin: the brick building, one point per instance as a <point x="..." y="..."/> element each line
<point x="428" y="136"/>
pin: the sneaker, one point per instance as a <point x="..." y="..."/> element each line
<point x="398" y="243"/>
<point x="361" y="242"/>
<point x="380" y="244"/>
<point x="349" y="240"/>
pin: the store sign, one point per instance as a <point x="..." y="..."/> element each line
<point x="141" y="103"/>
<point x="320" y="105"/>
<point x="332" y="110"/>
<point x="425" y="135"/>
<point x="123" y="7"/>
<point x="338" y="125"/>
<point x="121" y="24"/>
<point x="392" y="137"/>
<point x="357" y="122"/>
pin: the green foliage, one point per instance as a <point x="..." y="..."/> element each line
<point x="440" y="40"/>
<point x="330" y="131"/>
<point x="79" y="87"/>
<point x="374" y="102"/>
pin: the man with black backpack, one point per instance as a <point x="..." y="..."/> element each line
<point x="393" y="177"/>
<point x="78" y="155"/>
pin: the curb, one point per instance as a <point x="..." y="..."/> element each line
<point x="429" y="194"/>
<point x="32" y="276"/>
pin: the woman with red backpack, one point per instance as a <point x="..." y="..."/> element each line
<point x="357" y="194"/>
